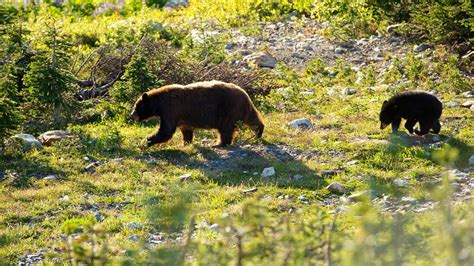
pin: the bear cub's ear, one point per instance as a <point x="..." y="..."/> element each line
<point x="384" y="103"/>
<point x="145" y="96"/>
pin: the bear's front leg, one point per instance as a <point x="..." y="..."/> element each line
<point x="164" y="134"/>
<point x="396" y="124"/>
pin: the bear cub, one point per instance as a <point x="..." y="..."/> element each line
<point x="207" y="105"/>
<point x="414" y="106"/>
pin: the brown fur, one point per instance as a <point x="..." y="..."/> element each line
<point x="209" y="105"/>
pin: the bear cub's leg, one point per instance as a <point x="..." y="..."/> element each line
<point x="436" y="127"/>
<point x="425" y="126"/>
<point x="409" y="124"/>
<point x="187" y="135"/>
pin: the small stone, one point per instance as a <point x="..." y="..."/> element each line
<point x="467" y="104"/>
<point x="230" y="46"/>
<point x="339" y="50"/>
<point x="339" y="209"/>
<point x="459" y="176"/>
<point x="393" y="28"/>
<point x="261" y="59"/>
<point x="50" y="137"/>
<point x="421" y="47"/>
<point x="91" y="167"/>
<point x="28" y="142"/>
<point x="409" y="200"/>
<point x="134" y="225"/>
<point x="64" y="198"/>
<point x="336" y="187"/>
<point x="250" y="190"/>
<point x="98" y="217"/>
<point x="298" y="177"/>
<point x="301" y="123"/>
<point x="353" y="162"/>
<point x="308" y="48"/>
<point x="471" y="160"/>
<point x="301" y="197"/>
<point x="400" y="182"/>
<point x="184" y="177"/>
<point x="266" y="197"/>
<point x="348" y="91"/>
<point x="134" y="238"/>
<point x="307" y="93"/>
<point x="436" y="138"/>
<point x="453" y="103"/>
<point x="267" y="172"/>
<point x="362" y="196"/>
<point x="213" y="227"/>
<point x="468" y="94"/>
<point x="175" y="3"/>
<point x="50" y="177"/>
<point x="328" y="172"/>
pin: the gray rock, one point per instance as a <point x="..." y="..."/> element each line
<point x="175" y="3"/>
<point x="362" y="196"/>
<point x="467" y="104"/>
<point x="353" y="162"/>
<point x="336" y="187"/>
<point x="298" y="177"/>
<point x="348" y="91"/>
<point x="393" y="28"/>
<point x="91" y="167"/>
<point x="27" y="141"/>
<point x="49" y="137"/>
<point x="184" y="177"/>
<point x="98" y="217"/>
<point x="301" y="123"/>
<point x="408" y="200"/>
<point x="50" y="177"/>
<point x="134" y="225"/>
<point x="64" y="198"/>
<point x="213" y="227"/>
<point x="468" y="94"/>
<point x="471" y="160"/>
<point x="134" y="238"/>
<point x="339" y="50"/>
<point x="328" y="172"/>
<point x="453" y="103"/>
<point x="261" y="59"/>
<point x="250" y="190"/>
<point x="400" y="182"/>
<point x="230" y="46"/>
<point x="421" y="47"/>
<point x="267" y="172"/>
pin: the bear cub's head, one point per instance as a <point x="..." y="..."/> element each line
<point x="142" y="109"/>
<point x="387" y="114"/>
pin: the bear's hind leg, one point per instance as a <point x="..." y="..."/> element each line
<point x="226" y="135"/>
<point x="409" y="124"/>
<point x="436" y="128"/>
<point x="188" y="135"/>
<point x="425" y="126"/>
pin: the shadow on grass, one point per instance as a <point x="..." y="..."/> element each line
<point x="243" y="164"/>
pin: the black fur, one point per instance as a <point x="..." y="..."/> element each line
<point x="414" y="106"/>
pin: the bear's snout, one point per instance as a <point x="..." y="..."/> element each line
<point x="383" y="125"/>
<point x="134" y="116"/>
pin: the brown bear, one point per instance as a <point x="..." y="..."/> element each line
<point x="208" y="105"/>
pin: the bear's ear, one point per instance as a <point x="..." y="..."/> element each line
<point x="384" y="103"/>
<point x="145" y="96"/>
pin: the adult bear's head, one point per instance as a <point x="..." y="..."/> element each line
<point x="142" y="109"/>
